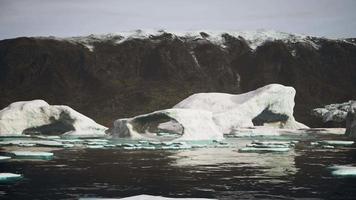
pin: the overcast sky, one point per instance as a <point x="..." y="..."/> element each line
<point x="330" y="18"/>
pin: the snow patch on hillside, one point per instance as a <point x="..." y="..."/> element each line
<point x="253" y="38"/>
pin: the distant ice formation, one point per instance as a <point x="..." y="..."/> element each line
<point x="38" y="117"/>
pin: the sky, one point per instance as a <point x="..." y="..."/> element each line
<point x="64" y="18"/>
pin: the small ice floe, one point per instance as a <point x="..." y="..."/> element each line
<point x="154" y="143"/>
<point x="31" y="143"/>
<point x="96" y="146"/>
<point x="9" y="177"/>
<point x="268" y="146"/>
<point x="327" y="147"/>
<point x="48" y="137"/>
<point x="32" y="154"/>
<point x="257" y="149"/>
<point x="96" y="143"/>
<point x="128" y="145"/>
<point x="148" y="148"/>
<point x="68" y="145"/>
<point x="130" y="148"/>
<point x="336" y="142"/>
<point x="109" y="145"/>
<point x="144" y="197"/>
<point x="4" y="158"/>
<point x="343" y="170"/>
<point x="97" y="140"/>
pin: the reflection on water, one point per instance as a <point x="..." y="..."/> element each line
<point x="265" y="164"/>
<point x="221" y="173"/>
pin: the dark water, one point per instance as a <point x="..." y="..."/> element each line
<point x="221" y="173"/>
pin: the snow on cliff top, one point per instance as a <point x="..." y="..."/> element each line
<point x="253" y="38"/>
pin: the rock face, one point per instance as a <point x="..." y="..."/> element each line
<point x="271" y="105"/>
<point x="38" y="117"/>
<point x="169" y="124"/>
<point x="116" y="76"/>
<point x="351" y="121"/>
<point x="207" y="116"/>
<point x="340" y="113"/>
<point x="333" y="112"/>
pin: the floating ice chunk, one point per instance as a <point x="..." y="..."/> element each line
<point x="97" y="140"/>
<point x="26" y="145"/>
<point x="170" y="148"/>
<point x="314" y="143"/>
<point x="50" y="137"/>
<point x="268" y="145"/>
<point x="109" y="145"/>
<point x="45" y="143"/>
<point x="96" y="143"/>
<point x="95" y="146"/>
<point x="328" y="147"/>
<point x="148" y="148"/>
<point x="254" y="149"/>
<point x="9" y="177"/>
<point x="32" y="154"/>
<point x="336" y="142"/>
<point x="345" y="170"/>
<point x="167" y="143"/>
<point x="154" y="143"/>
<point x="271" y="142"/>
<point x="144" y="197"/>
<point x="128" y="145"/>
<point x="130" y="148"/>
<point x="4" y="158"/>
<point x="68" y="145"/>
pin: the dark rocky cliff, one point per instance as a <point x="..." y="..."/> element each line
<point x="117" y="77"/>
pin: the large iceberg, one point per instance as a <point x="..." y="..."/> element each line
<point x="38" y="117"/>
<point x="271" y="105"/>
<point x="169" y="124"/>
<point x="207" y="116"/>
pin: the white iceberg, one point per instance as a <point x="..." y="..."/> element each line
<point x="8" y="177"/>
<point x="271" y="105"/>
<point x="31" y="154"/>
<point x="207" y="116"/>
<point x="182" y="124"/>
<point x="38" y="116"/>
